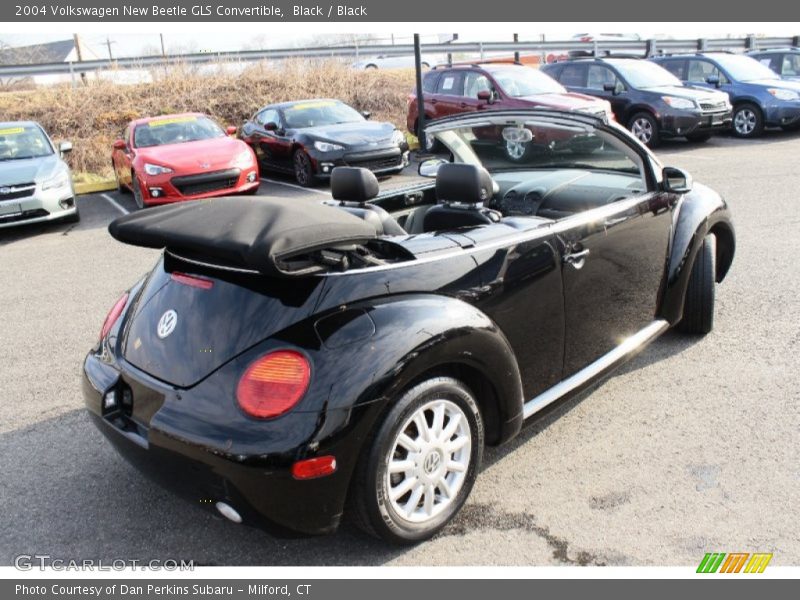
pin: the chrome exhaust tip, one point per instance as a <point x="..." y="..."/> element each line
<point x="227" y="511"/>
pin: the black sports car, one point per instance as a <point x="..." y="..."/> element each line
<point x="284" y="361"/>
<point x="309" y="138"/>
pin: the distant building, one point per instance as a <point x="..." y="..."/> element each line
<point x="62" y="51"/>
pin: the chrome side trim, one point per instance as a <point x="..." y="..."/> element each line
<point x="602" y="365"/>
<point x="209" y="265"/>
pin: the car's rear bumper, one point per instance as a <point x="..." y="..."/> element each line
<point x="259" y="487"/>
<point x="38" y="207"/>
<point x="682" y="123"/>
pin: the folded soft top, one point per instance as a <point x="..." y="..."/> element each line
<point x="254" y="233"/>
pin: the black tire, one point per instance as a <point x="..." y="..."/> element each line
<point x="303" y="171"/>
<point x="748" y="121"/>
<point x="644" y="127"/>
<point x="698" y="306"/>
<point x="698" y="138"/>
<point x="137" y="191"/>
<point x="121" y="187"/>
<point x="371" y="506"/>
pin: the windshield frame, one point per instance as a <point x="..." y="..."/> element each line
<point x="146" y="125"/>
<point x="649" y="166"/>
<point x="723" y="62"/>
<point x="496" y="72"/>
<point x="286" y="111"/>
<point x="35" y="127"/>
<point x="624" y="67"/>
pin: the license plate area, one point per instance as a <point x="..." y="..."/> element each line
<point x="10" y="209"/>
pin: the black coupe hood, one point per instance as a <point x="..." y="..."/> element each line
<point x="352" y="134"/>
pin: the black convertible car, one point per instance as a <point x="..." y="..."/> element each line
<point x="309" y="138"/>
<point x="287" y="362"/>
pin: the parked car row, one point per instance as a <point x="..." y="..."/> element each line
<point x="691" y="96"/>
<point x="189" y="156"/>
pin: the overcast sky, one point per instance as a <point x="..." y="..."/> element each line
<point x="128" y="44"/>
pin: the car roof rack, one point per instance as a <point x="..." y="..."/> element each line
<point x="476" y="64"/>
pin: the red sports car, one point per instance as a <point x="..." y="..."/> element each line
<point x="182" y="157"/>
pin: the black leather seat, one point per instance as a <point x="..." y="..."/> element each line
<point x="461" y="190"/>
<point x="354" y="187"/>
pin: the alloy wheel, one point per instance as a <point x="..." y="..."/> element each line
<point x="428" y="461"/>
<point x="643" y="130"/>
<point x="515" y="150"/>
<point x="137" y="192"/>
<point x="302" y="168"/>
<point x="745" y="121"/>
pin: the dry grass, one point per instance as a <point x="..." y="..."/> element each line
<point x="92" y="116"/>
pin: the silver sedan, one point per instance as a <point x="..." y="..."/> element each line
<point x="35" y="182"/>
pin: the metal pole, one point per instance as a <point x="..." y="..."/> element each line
<point x="516" y="52"/>
<point x="79" y="54"/>
<point x="420" y="97"/>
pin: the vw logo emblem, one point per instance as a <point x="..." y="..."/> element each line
<point x="431" y="462"/>
<point x="5" y="190"/>
<point x="167" y="323"/>
<point x="205" y="165"/>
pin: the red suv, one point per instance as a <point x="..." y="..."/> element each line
<point x="465" y="88"/>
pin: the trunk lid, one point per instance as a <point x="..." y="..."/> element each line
<point x="180" y="332"/>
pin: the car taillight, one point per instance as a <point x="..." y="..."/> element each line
<point x="113" y="315"/>
<point x="273" y="384"/>
<point x="192" y="281"/>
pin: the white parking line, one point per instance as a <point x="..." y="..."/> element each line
<point x="116" y="204"/>
<point x="297" y="187"/>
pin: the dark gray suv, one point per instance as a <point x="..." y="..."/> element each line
<point x="646" y="98"/>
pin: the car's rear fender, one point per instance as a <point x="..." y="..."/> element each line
<point x="408" y="337"/>
<point x="700" y="212"/>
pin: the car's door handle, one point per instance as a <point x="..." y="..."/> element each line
<point x="434" y="101"/>
<point x="577" y="259"/>
<point x="463" y="105"/>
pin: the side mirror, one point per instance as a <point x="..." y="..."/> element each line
<point x="609" y="87"/>
<point x="713" y="80"/>
<point x="230" y="130"/>
<point x="429" y="167"/>
<point x="676" y="180"/>
<point x="486" y="96"/>
<point x="366" y="114"/>
<point x="65" y="147"/>
<point x="271" y="126"/>
<point x="120" y="145"/>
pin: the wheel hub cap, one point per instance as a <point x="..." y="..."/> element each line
<point x="428" y="461"/>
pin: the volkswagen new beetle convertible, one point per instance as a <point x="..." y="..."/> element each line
<point x="289" y="362"/>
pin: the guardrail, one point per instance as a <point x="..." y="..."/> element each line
<point x="644" y="48"/>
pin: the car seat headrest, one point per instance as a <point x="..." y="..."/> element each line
<point x="353" y="184"/>
<point x="458" y="182"/>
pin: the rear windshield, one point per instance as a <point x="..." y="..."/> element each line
<point x="175" y="130"/>
<point x="18" y="142"/>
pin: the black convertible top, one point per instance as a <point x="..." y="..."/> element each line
<point x="254" y="233"/>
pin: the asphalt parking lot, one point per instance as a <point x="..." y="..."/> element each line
<point x="692" y="448"/>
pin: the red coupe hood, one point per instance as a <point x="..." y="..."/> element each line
<point x="212" y="154"/>
<point x="568" y="101"/>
